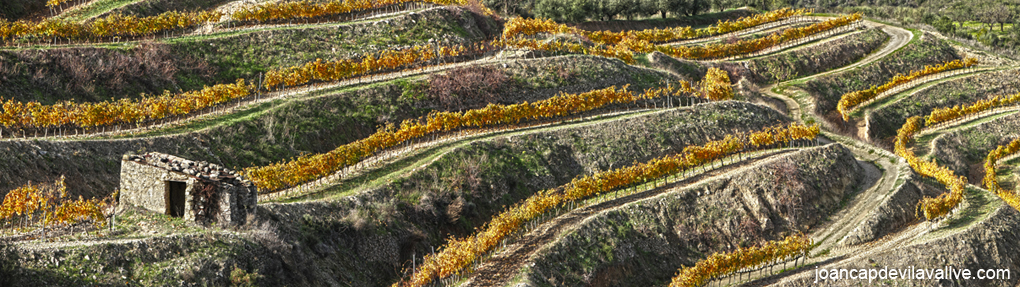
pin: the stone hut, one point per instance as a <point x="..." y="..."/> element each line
<point x="196" y="191"/>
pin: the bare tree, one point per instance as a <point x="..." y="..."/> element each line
<point x="991" y="13"/>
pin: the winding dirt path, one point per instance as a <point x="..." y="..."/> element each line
<point x="831" y="237"/>
<point x="898" y="38"/>
<point x="878" y="183"/>
<point x="903" y="91"/>
<point x="975" y="204"/>
<point x="430" y="151"/>
<point x="210" y="29"/>
<point x="868" y="249"/>
<point x="502" y="267"/>
<point x="255" y="100"/>
<point x="880" y="186"/>
<point x="809" y="41"/>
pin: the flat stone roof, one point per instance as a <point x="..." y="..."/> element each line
<point x="198" y="169"/>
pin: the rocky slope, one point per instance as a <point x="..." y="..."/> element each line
<point x="645" y="243"/>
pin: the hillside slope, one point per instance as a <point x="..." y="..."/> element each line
<point x="534" y="175"/>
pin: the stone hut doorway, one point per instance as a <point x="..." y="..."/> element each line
<point x="195" y="191"/>
<point x="175" y="198"/>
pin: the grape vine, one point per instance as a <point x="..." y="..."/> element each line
<point x="275" y="11"/>
<point x="715" y="86"/>
<point x="349" y="68"/>
<point x="33" y="115"/>
<point x="459" y="253"/>
<point x="518" y="27"/>
<point x="21" y="116"/>
<point x="49" y="205"/>
<point x="742" y="47"/>
<point x="721" y="264"/>
<point x="1011" y="197"/>
<point x="627" y="45"/>
<point x="849" y="101"/>
<point x="943" y="115"/>
<point x="106" y="28"/>
<point x="116" y="26"/>
<point x="931" y="208"/>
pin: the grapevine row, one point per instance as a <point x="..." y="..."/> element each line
<point x="276" y="11"/>
<point x="942" y="115"/>
<point x="117" y="26"/>
<point x="850" y="101"/>
<point x="941" y="205"/>
<point x="51" y="205"/>
<point x="459" y="253"/>
<point x="518" y="27"/>
<point x="721" y="27"/>
<point x="70" y="115"/>
<point x="742" y="47"/>
<point x="715" y="86"/>
<point x="709" y="90"/>
<point x="721" y="264"/>
<point x="618" y="52"/>
<point x="20" y="116"/>
<point x="105" y="28"/>
<point x="349" y="68"/>
<point x="65" y="115"/>
<point x="1011" y="197"/>
<point x="937" y="207"/>
<point x="771" y="26"/>
<point x="627" y="46"/>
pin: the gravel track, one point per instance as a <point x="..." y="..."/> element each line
<point x="502" y="267"/>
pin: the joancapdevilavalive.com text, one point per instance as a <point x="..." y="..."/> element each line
<point x="909" y="273"/>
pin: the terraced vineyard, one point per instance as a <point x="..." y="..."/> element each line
<point x="442" y="143"/>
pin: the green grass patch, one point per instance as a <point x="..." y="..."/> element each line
<point x="642" y="59"/>
<point x="927" y="138"/>
<point x="204" y="123"/>
<point x="879" y="104"/>
<point x="979" y="205"/>
<point x="794" y="48"/>
<point x="94" y="8"/>
<point x="253" y="112"/>
<point x="405" y="165"/>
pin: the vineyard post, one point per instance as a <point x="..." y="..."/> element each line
<point x="113" y="216"/>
